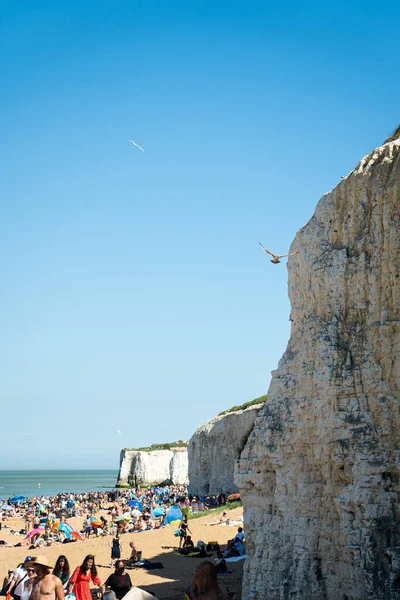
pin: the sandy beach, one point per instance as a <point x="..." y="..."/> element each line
<point x="168" y="583"/>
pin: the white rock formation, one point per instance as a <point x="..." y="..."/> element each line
<point x="145" y="468"/>
<point x="214" y="449"/>
<point x="319" y="476"/>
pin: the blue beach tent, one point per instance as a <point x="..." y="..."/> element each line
<point x="174" y="514"/>
<point x="158" y="511"/>
<point x="66" y="529"/>
<point x="17" y="499"/>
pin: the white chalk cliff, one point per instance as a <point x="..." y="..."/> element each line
<point x="144" y="468"/>
<point x="214" y="449"/>
<point x="319" y="475"/>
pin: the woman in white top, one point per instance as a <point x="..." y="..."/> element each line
<point x="28" y="582"/>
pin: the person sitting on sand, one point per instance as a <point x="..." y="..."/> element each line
<point x="46" y="584"/>
<point x="134" y="553"/>
<point x="240" y="535"/>
<point x="188" y="546"/>
<point x="204" y="583"/>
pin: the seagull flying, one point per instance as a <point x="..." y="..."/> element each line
<point x="118" y="431"/>
<point x="276" y="257"/>
<point x="137" y="145"/>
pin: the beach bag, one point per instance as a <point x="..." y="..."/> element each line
<point x="12" y="593"/>
<point x="178" y="533"/>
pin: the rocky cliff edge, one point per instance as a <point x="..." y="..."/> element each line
<point x="319" y="476"/>
<point x="214" y="449"/>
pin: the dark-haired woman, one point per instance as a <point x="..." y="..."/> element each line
<point x="115" y="548"/>
<point x="119" y="581"/>
<point x="61" y="570"/>
<point x="81" y="577"/>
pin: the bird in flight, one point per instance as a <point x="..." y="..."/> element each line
<point x="276" y="257"/>
<point x="137" y="145"/>
<point x="119" y="431"/>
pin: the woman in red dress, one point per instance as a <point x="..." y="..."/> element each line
<point x="79" y="582"/>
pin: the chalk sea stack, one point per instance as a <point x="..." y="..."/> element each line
<point x="148" y="467"/>
<point x="319" y="475"/>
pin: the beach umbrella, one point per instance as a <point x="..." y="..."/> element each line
<point x="136" y="513"/>
<point x="76" y="535"/>
<point x="95" y="522"/>
<point x="34" y="532"/>
<point x="17" y="499"/>
<point x="7" y="507"/>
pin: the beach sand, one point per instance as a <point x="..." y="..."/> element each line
<point x="167" y="584"/>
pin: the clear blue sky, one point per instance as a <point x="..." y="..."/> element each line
<point x="134" y="295"/>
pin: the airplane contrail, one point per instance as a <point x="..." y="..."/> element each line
<point x="137" y="145"/>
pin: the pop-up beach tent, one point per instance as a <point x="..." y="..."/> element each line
<point x="174" y="514"/>
<point x="136" y="593"/>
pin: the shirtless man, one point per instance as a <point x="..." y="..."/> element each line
<point x="45" y="585"/>
<point x="205" y="584"/>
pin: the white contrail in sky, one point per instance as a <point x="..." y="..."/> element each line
<point x="137" y="145"/>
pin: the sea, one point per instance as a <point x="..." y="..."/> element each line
<point x="50" y="483"/>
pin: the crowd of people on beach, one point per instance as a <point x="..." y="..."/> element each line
<point x="44" y="522"/>
<point x="36" y="577"/>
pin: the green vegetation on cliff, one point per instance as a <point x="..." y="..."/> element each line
<point x="394" y="136"/>
<point x="260" y="400"/>
<point x="166" y="446"/>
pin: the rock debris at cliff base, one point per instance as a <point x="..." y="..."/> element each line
<point x="319" y="475"/>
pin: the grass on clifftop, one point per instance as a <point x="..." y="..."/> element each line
<point x="166" y="446"/>
<point x="259" y="400"/>
<point x="218" y="509"/>
<point x="394" y="136"/>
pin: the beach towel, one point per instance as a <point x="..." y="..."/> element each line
<point x="235" y="558"/>
<point x="145" y="564"/>
<point x="197" y="507"/>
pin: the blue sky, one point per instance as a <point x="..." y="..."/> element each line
<point x="134" y="294"/>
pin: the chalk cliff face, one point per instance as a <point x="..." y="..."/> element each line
<point x="214" y="449"/>
<point x="319" y="476"/>
<point x="144" y="468"/>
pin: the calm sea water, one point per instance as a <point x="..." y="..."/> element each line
<point x="26" y="483"/>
